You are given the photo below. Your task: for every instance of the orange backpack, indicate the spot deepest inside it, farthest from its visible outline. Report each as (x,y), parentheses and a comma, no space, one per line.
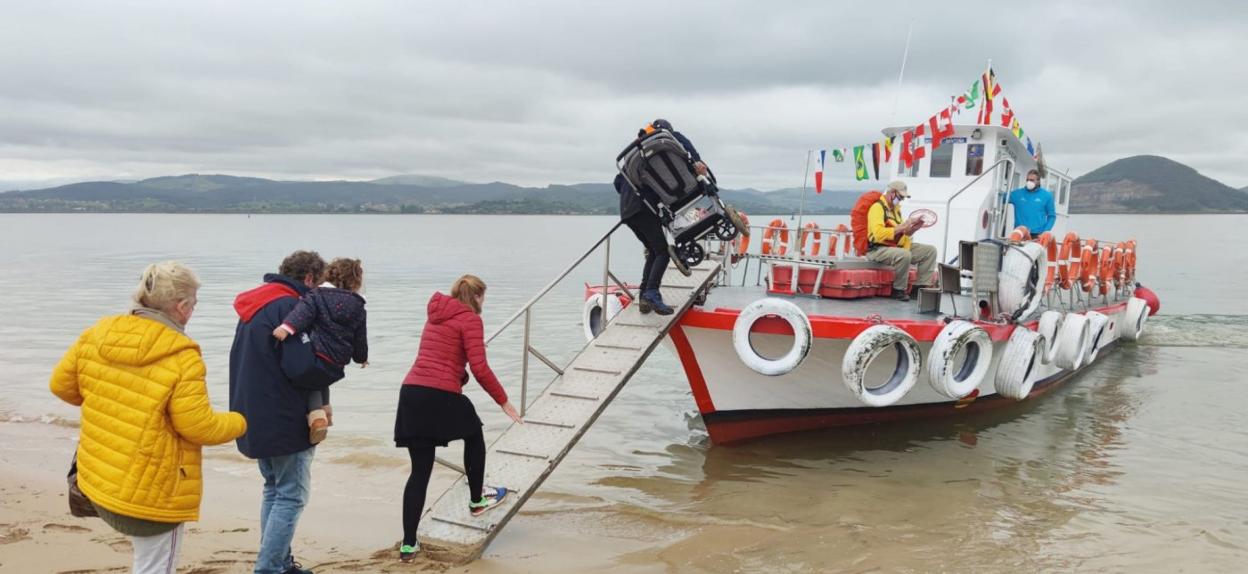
(858,220)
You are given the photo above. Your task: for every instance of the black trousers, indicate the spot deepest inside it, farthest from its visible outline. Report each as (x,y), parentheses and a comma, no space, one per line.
(418,481)
(649,231)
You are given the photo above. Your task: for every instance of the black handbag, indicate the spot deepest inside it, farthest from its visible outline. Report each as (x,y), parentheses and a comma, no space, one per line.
(299,363)
(79,504)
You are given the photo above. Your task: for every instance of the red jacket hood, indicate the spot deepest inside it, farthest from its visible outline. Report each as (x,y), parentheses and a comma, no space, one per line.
(443,308)
(248,303)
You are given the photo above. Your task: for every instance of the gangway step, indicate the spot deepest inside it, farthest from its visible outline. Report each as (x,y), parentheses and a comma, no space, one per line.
(524,455)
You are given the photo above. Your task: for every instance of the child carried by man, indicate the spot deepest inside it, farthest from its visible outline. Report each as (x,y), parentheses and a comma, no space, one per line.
(333,316)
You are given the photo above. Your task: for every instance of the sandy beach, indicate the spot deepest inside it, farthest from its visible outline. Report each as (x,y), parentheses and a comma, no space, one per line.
(336,534)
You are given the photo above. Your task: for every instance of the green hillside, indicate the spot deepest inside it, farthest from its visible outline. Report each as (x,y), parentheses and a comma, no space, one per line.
(1153,184)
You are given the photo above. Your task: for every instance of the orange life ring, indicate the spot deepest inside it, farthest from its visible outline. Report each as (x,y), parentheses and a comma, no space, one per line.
(743,241)
(808,230)
(842,231)
(1050,250)
(1130,261)
(776,230)
(1120,264)
(1087,265)
(1020,233)
(1109,266)
(1068,260)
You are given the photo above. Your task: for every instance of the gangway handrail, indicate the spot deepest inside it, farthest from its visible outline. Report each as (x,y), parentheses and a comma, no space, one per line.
(527,309)
(605,237)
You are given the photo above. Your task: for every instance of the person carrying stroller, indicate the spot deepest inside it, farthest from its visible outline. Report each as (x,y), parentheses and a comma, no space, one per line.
(648,228)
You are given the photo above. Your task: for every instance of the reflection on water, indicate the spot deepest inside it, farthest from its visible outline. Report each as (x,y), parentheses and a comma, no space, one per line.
(1137,464)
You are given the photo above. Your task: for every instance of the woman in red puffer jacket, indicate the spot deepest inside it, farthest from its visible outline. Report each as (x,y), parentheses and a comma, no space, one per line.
(433,409)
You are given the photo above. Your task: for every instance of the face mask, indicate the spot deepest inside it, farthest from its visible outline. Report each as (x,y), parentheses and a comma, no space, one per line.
(1031,185)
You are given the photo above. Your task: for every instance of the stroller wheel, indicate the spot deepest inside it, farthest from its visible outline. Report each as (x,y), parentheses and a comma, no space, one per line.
(725,230)
(691,254)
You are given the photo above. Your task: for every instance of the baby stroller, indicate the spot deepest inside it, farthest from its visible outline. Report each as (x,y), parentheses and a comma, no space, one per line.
(689,206)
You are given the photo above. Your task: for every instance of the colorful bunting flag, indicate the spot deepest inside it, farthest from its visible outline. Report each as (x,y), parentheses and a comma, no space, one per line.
(838,156)
(1007,113)
(888,149)
(860,164)
(991,90)
(819,172)
(875,159)
(942,127)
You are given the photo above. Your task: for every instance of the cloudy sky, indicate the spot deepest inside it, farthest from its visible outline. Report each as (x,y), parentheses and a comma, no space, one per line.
(548,92)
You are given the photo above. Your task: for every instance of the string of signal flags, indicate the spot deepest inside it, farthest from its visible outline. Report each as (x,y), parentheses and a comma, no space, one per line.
(984,94)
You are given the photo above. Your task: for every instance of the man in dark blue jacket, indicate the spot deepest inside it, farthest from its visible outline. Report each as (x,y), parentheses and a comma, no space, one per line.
(649,230)
(276,410)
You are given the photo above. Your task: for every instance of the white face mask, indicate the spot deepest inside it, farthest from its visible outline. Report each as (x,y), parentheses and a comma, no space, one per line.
(1031,185)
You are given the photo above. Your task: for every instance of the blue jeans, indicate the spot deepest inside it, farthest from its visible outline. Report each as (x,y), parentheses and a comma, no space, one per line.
(287,486)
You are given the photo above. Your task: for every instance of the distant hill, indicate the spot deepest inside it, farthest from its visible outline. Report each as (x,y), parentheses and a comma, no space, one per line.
(196,193)
(1153,184)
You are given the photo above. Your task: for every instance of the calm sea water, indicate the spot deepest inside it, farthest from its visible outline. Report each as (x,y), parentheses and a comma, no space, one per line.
(1139,464)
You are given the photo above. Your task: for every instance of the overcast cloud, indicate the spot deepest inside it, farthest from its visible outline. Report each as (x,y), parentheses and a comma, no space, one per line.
(548,92)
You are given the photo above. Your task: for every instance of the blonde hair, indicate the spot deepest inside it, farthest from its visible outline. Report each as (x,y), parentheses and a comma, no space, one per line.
(467,290)
(164,284)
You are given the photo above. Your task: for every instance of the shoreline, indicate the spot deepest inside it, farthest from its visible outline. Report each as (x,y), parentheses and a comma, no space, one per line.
(338,532)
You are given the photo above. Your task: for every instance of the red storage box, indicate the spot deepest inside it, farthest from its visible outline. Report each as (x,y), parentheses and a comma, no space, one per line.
(835,283)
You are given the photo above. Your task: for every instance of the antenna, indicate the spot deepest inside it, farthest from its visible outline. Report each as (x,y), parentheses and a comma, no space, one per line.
(901,75)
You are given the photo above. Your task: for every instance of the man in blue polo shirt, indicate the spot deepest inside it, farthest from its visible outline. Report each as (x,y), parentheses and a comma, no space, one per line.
(1033,206)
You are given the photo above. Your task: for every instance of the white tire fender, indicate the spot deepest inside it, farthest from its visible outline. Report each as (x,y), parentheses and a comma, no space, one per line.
(1050,324)
(960,359)
(865,348)
(796,319)
(1016,373)
(1132,326)
(1098,335)
(1021,279)
(593,318)
(1072,341)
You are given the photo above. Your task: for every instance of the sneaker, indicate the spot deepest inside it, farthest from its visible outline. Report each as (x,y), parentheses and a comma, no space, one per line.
(407,552)
(488,502)
(318,426)
(899,295)
(297,568)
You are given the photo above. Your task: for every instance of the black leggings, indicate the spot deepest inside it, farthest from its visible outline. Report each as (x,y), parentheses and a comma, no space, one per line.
(649,231)
(418,480)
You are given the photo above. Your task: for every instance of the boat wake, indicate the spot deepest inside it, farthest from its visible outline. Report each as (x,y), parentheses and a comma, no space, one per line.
(1224,331)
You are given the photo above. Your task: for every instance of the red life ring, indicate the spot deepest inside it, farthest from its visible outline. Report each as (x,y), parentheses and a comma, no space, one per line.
(776,230)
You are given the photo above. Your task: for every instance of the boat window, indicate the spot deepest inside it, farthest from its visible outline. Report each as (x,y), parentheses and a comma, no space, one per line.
(974,159)
(1065,190)
(914,168)
(942,160)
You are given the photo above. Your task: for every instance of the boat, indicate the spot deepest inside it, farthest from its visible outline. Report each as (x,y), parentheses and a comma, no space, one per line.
(797,333)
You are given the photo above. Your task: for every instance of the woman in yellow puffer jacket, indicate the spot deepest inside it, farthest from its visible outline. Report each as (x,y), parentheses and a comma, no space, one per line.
(145,416)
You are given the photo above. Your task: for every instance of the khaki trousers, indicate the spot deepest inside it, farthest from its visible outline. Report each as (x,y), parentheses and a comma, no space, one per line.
(923,256)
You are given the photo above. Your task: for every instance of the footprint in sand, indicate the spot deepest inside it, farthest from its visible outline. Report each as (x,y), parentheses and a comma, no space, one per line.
(54,527)
(10,533)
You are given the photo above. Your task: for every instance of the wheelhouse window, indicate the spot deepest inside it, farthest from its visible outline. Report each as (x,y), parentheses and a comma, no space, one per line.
(974,159)
(942,160)
(1065,191)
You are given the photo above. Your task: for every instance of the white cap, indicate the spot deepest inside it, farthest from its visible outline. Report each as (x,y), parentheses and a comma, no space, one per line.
(899,187)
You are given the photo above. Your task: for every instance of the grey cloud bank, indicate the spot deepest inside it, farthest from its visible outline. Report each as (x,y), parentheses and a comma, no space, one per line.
(547,92)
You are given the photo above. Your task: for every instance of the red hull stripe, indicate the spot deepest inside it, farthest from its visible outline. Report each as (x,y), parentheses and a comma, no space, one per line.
(833,327)
(697,383)
(734,426)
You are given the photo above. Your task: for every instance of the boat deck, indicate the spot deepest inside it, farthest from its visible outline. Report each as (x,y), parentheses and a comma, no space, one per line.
(736,297)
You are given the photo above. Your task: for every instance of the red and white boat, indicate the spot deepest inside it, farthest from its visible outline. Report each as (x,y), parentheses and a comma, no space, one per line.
(1011,318)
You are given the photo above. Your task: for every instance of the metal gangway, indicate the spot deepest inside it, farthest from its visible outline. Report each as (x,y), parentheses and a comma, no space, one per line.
(524,455)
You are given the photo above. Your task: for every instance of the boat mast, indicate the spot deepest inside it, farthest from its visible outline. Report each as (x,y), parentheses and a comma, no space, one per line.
(801,210)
